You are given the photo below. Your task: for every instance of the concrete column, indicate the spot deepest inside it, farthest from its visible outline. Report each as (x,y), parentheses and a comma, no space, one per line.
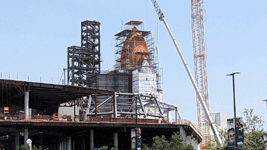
(73,144)
(26,105)
(116,141)
(26,136)
(68,145)
(188,140)
(91,139)
(16,139)
(183,135)
(59,146)
(77,119)
(30,113)
(83,144)
(41,139)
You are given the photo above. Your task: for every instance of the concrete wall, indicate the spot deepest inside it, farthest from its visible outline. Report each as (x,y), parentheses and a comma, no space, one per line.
(68,111)
(220,119)
(189,140)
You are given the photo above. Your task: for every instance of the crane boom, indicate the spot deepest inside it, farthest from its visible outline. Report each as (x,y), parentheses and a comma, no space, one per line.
(162,18)
(158,10)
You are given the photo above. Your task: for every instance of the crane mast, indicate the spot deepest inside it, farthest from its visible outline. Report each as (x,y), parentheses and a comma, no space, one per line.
(200,68)
(199,95)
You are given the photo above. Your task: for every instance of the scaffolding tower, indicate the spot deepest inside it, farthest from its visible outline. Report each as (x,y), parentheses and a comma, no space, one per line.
(132,46)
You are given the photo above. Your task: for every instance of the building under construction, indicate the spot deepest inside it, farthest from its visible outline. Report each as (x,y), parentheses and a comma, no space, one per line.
(93,108)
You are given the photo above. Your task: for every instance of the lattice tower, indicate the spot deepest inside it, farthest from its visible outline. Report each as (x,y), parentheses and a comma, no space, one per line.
(200,68)
(84,62)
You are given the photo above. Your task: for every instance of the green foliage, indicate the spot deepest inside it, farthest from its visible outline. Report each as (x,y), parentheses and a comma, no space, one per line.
(188,147)
(145,147)
(177,142)
(215,145)
(105,147)
(161,143)
(253,133)
(23,147)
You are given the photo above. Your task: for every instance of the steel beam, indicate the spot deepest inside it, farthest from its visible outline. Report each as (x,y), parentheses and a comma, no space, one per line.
(127,94)
(168,116)
(115,105)
(176,115)
(96,105)
(103,102)
(89,104)
(142,106)
(101,113)
(158,106)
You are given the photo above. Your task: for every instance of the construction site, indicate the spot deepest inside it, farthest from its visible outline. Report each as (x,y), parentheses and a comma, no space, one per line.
(92,105)
(92,108)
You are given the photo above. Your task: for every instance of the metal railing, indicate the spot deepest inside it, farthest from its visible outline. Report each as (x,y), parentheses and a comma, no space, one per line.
(28,78)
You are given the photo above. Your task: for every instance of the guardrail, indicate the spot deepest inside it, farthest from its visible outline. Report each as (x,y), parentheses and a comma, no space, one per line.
(28,78)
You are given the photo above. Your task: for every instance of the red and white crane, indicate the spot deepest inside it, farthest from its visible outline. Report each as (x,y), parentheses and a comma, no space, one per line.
(200,68)
(199,94)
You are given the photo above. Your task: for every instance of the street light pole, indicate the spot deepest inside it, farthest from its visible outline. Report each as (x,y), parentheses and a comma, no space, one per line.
(233,76)
(266,103)
(136,122)
(29,142)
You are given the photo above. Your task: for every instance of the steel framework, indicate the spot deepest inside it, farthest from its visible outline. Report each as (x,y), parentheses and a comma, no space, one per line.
(122,105)
(90,38)
(79,65)
(200,67)
(84,61)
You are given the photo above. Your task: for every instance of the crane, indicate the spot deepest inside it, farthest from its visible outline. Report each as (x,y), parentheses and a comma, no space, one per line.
(200,67)
(201,100)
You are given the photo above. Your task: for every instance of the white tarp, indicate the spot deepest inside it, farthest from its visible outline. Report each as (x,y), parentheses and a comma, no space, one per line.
(145,82)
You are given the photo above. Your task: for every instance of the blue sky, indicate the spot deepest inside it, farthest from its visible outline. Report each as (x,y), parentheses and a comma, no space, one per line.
(34,36)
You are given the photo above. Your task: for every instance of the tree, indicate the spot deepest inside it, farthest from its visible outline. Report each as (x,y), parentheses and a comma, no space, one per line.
(177,142)
(215,145)
(253,131)
(161,143)
(253,139)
